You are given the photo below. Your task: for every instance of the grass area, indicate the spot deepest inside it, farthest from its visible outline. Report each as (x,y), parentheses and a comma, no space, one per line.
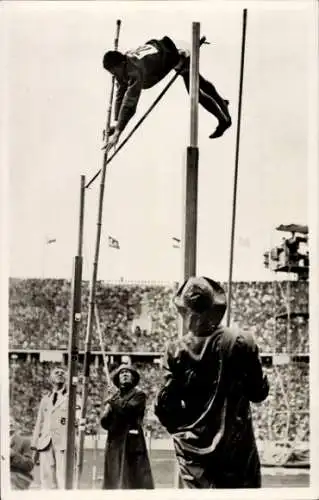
(163,467)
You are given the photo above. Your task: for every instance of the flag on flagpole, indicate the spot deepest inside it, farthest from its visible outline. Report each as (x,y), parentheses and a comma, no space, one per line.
(50,241)
(176,242)
(114,243)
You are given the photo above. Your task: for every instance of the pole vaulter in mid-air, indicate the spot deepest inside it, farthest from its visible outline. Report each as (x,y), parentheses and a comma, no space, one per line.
(143,68)
(133,72)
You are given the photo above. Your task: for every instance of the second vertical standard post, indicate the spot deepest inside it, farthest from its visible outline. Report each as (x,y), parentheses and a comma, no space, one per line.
(73,352)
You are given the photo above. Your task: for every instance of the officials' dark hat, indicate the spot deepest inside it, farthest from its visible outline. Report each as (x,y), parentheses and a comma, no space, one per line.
(116,374)
(202,295)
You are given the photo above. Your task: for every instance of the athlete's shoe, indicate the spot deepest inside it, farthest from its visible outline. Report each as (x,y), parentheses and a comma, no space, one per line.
(221,128)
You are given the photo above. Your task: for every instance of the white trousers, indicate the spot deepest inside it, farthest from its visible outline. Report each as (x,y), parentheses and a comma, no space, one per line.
(52,468)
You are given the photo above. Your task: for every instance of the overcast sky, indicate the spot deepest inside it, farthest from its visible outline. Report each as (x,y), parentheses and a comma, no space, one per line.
(57,95)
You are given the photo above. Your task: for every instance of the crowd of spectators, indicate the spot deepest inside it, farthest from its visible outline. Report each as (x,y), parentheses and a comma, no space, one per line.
(283,416)
(142,318)
(285,413)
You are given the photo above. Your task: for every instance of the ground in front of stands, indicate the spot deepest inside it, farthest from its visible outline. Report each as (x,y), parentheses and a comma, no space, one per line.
(163,467)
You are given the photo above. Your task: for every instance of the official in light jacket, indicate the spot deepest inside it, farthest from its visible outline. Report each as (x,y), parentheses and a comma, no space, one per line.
(49,436)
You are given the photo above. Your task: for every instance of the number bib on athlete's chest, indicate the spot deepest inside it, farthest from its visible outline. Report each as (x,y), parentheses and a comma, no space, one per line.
(143,51)
(153,60)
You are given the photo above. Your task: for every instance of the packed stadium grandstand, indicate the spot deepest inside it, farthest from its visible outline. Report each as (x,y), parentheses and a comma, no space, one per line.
(140,318)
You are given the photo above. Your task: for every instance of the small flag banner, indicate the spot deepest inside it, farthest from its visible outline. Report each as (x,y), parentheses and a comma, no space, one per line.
(113,243)
(50,241)
(176,242)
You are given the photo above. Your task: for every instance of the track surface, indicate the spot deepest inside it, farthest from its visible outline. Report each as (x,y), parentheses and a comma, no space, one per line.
(163,466)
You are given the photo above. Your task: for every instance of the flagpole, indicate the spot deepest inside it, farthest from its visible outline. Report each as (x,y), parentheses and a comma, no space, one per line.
(113,243)
(47,241)
(43,255)
(176,257)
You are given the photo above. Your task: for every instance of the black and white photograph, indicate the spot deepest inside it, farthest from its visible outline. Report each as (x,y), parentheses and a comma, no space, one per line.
(159,247)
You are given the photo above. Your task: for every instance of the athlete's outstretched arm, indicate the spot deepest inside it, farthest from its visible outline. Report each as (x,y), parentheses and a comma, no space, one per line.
(125,106)
(129,102)
(120,93)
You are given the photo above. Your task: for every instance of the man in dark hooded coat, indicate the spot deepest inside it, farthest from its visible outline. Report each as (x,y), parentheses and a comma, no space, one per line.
(127,464)
(211,376)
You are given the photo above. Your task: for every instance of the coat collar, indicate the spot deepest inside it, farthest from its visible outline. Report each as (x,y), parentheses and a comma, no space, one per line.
(61,399)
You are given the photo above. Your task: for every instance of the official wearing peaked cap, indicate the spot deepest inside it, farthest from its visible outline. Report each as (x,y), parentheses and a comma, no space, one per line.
(122,367)
(201,295)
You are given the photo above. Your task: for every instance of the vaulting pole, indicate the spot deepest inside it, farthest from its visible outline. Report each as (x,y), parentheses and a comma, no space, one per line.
(189,239)
(232,241)
(73,354)
(87,353)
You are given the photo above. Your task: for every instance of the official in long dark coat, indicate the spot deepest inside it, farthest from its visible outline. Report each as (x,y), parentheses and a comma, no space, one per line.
(127,464)
(211,376)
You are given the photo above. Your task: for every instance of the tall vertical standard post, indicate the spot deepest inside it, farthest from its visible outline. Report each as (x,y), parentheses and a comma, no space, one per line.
(189,239)
(194,85)
(232,240)
(87,353)
(191,188)
(73,354)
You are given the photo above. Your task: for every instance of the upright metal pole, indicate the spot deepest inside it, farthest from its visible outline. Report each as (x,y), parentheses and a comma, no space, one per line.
(231,259)
(190,208)
(87,353)
(75,322)
(191,182)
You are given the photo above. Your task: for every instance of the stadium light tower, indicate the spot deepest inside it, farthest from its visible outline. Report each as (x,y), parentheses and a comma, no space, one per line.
(292,258)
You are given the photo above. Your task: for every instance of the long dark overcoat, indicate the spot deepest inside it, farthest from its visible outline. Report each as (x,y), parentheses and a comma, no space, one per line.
(127,464)
(205,405)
